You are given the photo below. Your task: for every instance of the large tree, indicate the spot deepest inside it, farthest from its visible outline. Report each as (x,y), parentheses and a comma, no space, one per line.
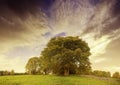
(33,65)
(66,55)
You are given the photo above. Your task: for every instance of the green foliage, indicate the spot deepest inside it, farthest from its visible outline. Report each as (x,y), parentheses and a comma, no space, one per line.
(12,72)
(5,73)
(33,65)
(66,55)
(54,80)
(101,73)
(116,75)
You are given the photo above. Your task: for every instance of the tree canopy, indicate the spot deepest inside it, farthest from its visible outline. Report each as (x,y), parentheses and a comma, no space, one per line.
(33,65)
(116,75)
(66,55)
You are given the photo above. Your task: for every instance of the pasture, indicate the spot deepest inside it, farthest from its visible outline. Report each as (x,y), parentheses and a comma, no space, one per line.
(55,80)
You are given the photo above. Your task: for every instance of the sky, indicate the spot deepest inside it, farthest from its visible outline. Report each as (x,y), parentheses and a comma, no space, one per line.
(27,25)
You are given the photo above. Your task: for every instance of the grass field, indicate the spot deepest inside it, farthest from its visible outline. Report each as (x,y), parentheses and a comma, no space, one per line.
(54,80)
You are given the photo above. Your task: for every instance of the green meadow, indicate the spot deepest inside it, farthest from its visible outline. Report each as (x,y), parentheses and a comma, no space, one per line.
(55,80)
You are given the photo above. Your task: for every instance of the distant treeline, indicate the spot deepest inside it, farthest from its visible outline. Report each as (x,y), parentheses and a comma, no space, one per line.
(7,73)
(116,75)
(2,73)
(97,73)
(101,73)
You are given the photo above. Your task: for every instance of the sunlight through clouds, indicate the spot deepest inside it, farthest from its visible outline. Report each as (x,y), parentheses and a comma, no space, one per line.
(29,29)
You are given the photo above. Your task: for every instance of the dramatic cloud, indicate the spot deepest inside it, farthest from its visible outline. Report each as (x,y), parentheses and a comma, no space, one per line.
(27,25)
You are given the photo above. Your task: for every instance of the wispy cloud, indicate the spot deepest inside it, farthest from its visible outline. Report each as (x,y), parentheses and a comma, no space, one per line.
(100,60)
(25,32)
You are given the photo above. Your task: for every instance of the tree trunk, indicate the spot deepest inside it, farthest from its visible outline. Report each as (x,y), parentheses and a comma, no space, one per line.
(45,72)
(66,72)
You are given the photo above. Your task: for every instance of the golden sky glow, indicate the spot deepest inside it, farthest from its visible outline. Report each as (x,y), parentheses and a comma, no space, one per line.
(24,34)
